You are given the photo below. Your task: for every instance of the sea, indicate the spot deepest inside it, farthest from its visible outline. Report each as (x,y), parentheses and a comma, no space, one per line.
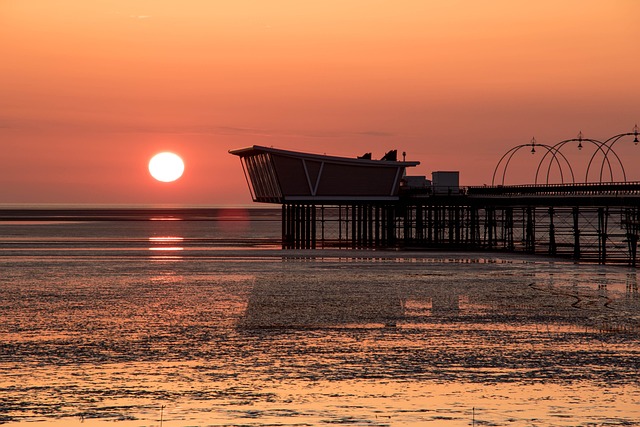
(143,317)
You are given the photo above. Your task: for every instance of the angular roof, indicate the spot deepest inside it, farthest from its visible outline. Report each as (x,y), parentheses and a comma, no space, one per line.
(281,176)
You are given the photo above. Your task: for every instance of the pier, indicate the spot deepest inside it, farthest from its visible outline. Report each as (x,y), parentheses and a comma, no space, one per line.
(359,203)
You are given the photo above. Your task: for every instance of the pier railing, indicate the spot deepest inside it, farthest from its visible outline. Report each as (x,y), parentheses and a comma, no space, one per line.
(583,189)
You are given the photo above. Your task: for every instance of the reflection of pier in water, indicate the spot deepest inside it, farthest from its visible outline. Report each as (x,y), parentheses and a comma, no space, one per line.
(330,306)
(297,302)
(301,304)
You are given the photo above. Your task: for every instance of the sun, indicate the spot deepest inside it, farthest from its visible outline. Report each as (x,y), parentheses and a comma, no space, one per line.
(166,166)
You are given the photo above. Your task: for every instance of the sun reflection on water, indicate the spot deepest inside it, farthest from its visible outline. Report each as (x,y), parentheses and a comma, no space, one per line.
(166,247)
(166,243)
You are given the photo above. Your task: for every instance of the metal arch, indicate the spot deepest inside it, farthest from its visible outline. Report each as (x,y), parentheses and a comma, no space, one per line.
(561,144)
(506,165)
(554,152)
(609,143)
(604,159)
(516,148)
(556,149)
(511,152)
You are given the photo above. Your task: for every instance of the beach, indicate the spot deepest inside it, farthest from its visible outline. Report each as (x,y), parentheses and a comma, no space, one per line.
(209,323)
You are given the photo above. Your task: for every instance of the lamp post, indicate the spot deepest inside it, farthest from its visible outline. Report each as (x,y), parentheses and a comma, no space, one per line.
(580,140)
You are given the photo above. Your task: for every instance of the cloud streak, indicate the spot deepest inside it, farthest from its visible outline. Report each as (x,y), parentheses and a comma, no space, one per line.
(283,133)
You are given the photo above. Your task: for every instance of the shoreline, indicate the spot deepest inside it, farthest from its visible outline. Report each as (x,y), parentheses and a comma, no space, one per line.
(139,214)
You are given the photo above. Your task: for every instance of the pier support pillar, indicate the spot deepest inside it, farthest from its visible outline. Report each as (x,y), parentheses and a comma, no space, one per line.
(632,225)
(390,226)
(376,227)
(508,227)
(419,225)
(552,233)
(603,216)
(474,226)
(313,226)
(286,226)
(429,224)
(354,226)
(530,239)
(576,233)
(407,220)
(490,226)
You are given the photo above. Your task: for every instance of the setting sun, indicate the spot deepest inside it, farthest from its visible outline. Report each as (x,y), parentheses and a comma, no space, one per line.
(166,167)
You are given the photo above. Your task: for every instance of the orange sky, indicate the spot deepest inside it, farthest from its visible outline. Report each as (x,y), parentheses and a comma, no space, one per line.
(90,90)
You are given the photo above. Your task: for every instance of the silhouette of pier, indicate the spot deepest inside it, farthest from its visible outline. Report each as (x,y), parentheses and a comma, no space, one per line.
(362,203)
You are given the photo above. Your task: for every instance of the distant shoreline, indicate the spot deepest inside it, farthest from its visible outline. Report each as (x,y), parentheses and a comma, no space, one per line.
(140,214)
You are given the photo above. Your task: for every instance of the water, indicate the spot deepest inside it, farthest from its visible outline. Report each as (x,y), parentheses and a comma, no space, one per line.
(208,323)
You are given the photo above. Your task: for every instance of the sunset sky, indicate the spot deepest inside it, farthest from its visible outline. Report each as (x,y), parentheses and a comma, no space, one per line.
(90,90)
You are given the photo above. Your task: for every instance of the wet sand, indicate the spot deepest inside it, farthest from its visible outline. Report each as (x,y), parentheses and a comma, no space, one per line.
(267,337)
